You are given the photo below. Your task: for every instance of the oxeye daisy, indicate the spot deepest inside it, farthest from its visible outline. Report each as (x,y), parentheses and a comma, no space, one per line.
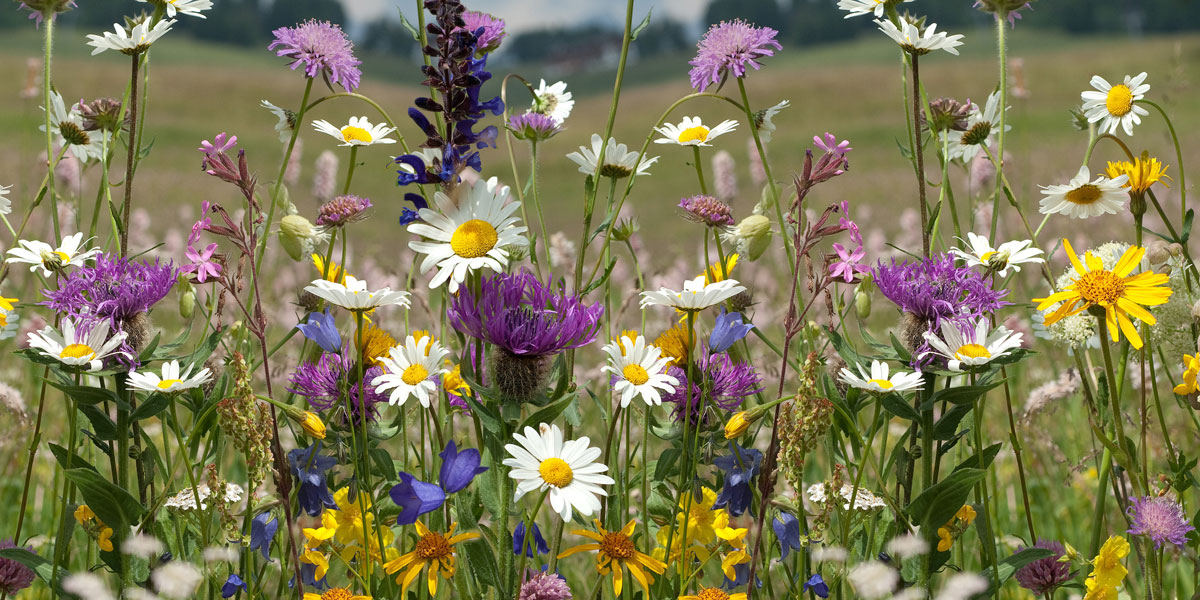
(858,8)
(1115,105)
(411,370)
(358,132)
(354,295)
(619,161)
(80,344)
(1143,172)
(191,8)
(1116,292)
(696,294)
(434,550)
(879,380)
(48,258)
(1080,199)
(692,132)
(615,552)
(133,41)
(1011,254)
(765,120)
(172,379)
(553,101)
(639,369)
(543,461)
(968,344)
(915,41)
(470,236)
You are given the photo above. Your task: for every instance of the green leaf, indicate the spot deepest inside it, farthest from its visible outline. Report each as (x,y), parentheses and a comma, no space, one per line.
(612,262)
(548,413)
(488,417)
(115,506)
(965,394)
(151,407)
(148,351)
(633,36)
(104,426)
(412,30)
(989,454)
(896,405)
(483,564)
(843,349)
(489,490)
(86,394)
(665,464)
(938,503)
(947,426)
(41,566)
(67,460)
(1186,231)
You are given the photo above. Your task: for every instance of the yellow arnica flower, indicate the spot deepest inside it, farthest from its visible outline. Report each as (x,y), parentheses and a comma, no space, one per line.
(315,536)
(348,517)
(730,562)
(336,274)
(1191,368)
(615,552)
(8,303)
(714,594)
(433,550)
(716,273)
(375,344)
(454,383)
(335,594)
(1107,570)
(675,343)
(1143,172)
(1118,293)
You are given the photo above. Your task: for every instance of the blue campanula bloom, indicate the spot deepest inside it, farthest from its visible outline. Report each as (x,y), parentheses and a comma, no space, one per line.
(728,330)
(415,498)
(458,468)
(314,495)
(323,331)
(787,531)
(539,543)
(232,585)
(262,532)
(739,467)
(817,584)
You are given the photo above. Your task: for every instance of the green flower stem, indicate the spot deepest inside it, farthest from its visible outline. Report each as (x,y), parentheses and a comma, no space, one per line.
(1114,397)
(350,169)
(47,90)
(135,69)
(1178,157)
(684,459)
(528,543)
(946,193)
(60,554)
(537,205)
(762,154)
(699,169)
(512,163)
(989,546)
(1002,51)
(918,150)
(275,189)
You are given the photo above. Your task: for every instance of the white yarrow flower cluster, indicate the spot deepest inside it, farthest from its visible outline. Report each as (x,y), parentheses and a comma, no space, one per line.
(864,499)
(185,500)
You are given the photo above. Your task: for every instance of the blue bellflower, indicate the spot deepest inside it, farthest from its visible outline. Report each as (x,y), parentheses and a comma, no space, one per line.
(739,467)
(262,532)
(728,330)
(323,331)
(787,531)
(817,584)
(232,585)
(539,543)
(458,468)
(314,495)
(415,498)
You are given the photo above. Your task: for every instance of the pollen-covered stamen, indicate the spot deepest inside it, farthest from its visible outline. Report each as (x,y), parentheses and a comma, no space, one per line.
(433,545)
(474,239)
(337,594)
(972,351)
(635,374)
(1100,287)
(713,593)
(77,351)
(1084,194)
(356,134)
(617,545)
(414,374)
(691,134)
(556,472)
(1120,100)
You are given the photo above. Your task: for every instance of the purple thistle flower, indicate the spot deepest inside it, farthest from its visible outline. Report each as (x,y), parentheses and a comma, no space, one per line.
(727,48)
(14,576)
(1159,517)
(533,126)
(544,586)
(488,30)
(525,317)
(323,48)
(1044,574)
(727,383)
(707,210)
(343,210)
(321,383)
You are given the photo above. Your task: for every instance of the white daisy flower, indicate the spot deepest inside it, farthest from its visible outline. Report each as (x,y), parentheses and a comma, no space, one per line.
(619,161)
(133,41)
(5,201)
(692,132)
(1114,105)
(191,8)
(1011,254)
(410,370)
(469,236)
(569,470)
(358,132)
(9,323)
(553,101)
(283,126)
(79,344)
(171,380)
(696,294)
(981,123)
(640,370)
(41,255)
(858,8)
(60,115)
(354,295)
(766,120)
(915,41)
(972,346)
(1080,199)
(427,156)
(878,380)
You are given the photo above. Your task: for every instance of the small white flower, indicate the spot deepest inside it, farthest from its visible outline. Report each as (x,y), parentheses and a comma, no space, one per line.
(907,546)
(354,295)
(41,255)
(692,132)
(426,155)
(191,8)
(619,161)
(358,132)
(172,379)
(858,8)
(981,123)
(142,546)
(1080,199)
(915,41)
(829,554)
(1011,254)
(542,461)
(5,201)
(86,585)
(639,369)
(766,120)
(553,101)
(283,125)
(878,379)
(176,579)
(410,370)
(962,586)
(864,499)
(873,579)
(134,41)
(1115,105)
(78,345)
(696,295)
(185,500)
(973,346)
(60,114)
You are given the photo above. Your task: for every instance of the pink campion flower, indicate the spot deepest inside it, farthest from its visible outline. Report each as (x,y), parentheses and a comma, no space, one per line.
(220,144)
(203,224)
(202,265)
(849,265)
(829,143)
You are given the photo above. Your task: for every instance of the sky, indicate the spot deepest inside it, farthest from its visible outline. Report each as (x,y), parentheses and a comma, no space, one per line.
(522,15)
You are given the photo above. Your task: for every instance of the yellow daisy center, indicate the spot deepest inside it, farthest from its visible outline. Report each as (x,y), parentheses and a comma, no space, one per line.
(337,594)
(351,133)
(1120,100)
(77,351)
(166,383)
(973,351)
(712,594)
(1084,194)
(617,545)
(433,546)
(556,472)
(1100,287)
(635,374)
(692,134)
(883,383)
(986,256)
(474,239)
(3,319)
(414,374)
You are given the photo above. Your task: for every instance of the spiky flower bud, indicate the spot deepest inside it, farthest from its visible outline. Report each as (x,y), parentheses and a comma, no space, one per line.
(101,114)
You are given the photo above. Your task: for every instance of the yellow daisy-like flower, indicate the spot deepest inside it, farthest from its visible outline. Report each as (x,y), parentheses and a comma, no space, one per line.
(1118,293)
(675,343)
(1191,368)
(348,518)
(8,303)
(730,562)
(677,556)
(616,552)
(715,273)
(734,536)
(315,536)
(354,552)
(626,333)
(336,273)
(336,593)
(1107,570)
(700,515)
(454,383)
(1143,172)
(318,559)
(713,594)
(434,550)
(375,344)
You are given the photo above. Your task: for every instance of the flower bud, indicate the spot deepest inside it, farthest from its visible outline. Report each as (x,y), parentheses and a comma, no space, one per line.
(737,425)
(187,304)
(862,303)
(752,236)
(298,236)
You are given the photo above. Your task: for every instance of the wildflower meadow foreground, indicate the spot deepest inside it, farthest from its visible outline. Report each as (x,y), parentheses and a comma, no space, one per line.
(506,412)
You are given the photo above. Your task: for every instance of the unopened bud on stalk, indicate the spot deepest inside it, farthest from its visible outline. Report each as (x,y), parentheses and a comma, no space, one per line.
(308,421)
(187,303)
(862,303)
(299,236)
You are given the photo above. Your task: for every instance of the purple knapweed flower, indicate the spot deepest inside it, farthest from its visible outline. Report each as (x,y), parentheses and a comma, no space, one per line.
(533,126)
(324,50)
(114,289)
(342,210)
(415,498)
(14,576)
(39,10)
(1044,574)
(1160,518)
(727,48)
(323,382)
(726,382)
(525,317)
(707,210)
(544,586)
(458,468)
(488,30)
